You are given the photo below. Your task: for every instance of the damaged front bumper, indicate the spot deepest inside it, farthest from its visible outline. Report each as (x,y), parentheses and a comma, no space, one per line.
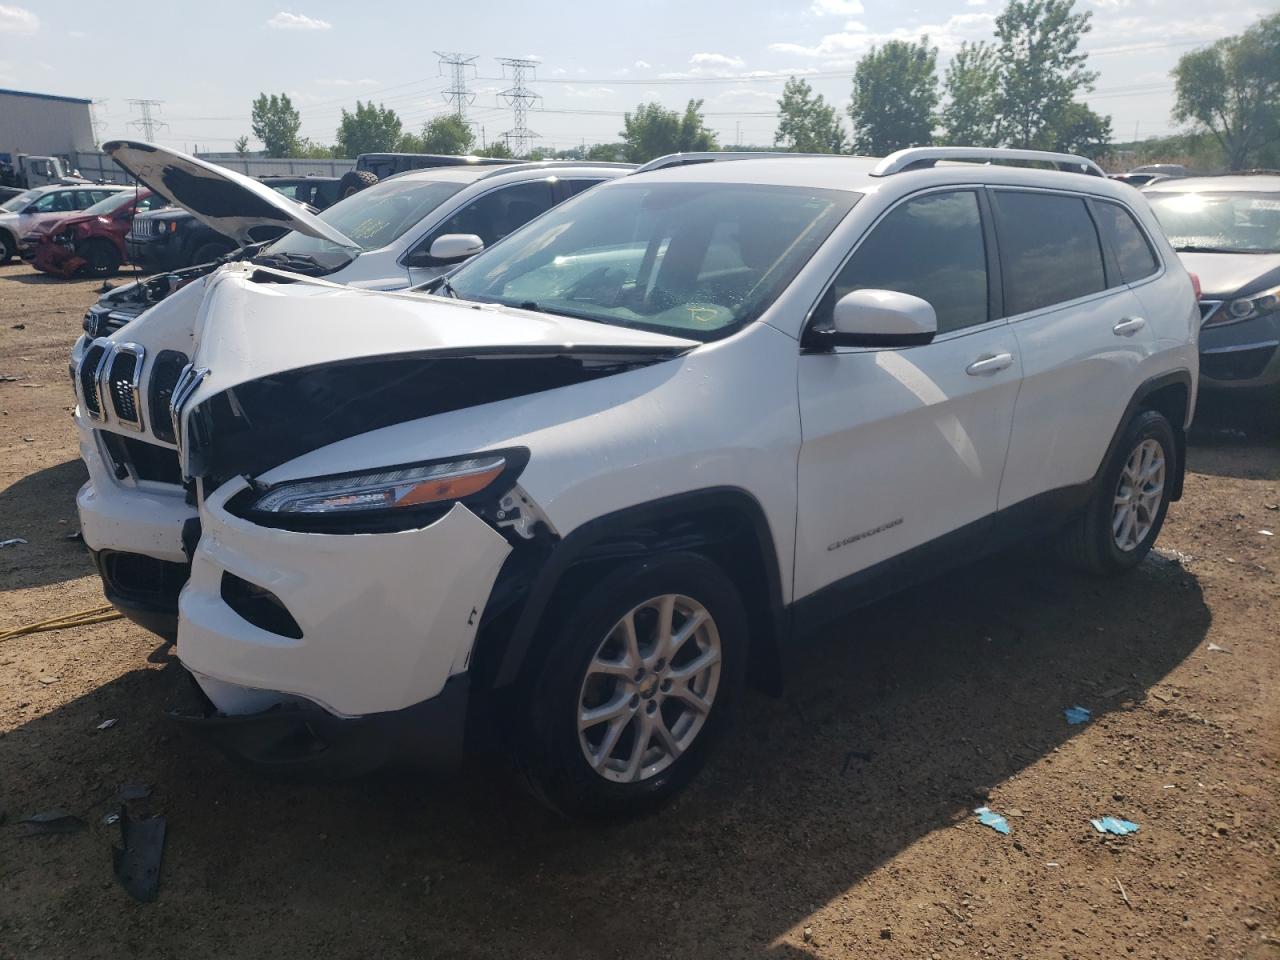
(344,649)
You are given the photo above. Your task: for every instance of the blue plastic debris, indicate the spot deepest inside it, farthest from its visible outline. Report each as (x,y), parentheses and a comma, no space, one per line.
(989,818)
(1076,715)
(1114,825)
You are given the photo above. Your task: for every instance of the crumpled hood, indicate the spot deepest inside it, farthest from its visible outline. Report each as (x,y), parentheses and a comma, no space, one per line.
(1226,275)
(284,364)
(229,202)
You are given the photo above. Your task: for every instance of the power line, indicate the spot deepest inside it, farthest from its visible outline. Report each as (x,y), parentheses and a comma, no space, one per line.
(147,123)
(519,97)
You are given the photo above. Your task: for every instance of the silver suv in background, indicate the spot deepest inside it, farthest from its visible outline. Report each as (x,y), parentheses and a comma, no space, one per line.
(1227,232)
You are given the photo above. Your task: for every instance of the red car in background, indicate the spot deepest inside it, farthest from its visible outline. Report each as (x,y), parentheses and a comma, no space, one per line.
(92,241)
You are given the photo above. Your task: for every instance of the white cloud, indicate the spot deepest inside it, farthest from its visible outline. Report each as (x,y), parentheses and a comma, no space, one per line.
(18,20)
(717,59)
(835,8)
(621,71)
(342,82)
(855,39)
(641,65)
(559,72)
(76,34)
(588,93)
(976,3)
(297,21)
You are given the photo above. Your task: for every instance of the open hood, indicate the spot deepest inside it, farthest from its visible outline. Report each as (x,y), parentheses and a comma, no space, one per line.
(229,202)
(284,365)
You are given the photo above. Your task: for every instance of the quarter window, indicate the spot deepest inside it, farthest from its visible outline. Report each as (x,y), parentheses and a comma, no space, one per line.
(1133,253)
(931,247)
(1048,248)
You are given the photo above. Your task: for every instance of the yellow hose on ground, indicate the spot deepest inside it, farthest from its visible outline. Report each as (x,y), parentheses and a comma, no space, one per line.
(64,622)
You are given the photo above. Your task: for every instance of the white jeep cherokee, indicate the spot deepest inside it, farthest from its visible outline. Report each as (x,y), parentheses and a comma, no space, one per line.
(613,464)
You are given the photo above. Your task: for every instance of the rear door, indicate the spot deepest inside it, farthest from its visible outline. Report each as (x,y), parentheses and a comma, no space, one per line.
(902,447)
(1082,334)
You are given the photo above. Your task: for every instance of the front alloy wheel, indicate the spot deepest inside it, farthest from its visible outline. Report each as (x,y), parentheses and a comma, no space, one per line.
(649,689)
(1138,495)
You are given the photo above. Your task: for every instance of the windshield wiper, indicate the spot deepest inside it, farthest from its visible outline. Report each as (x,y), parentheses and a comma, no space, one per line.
(1192,248)
(447,287)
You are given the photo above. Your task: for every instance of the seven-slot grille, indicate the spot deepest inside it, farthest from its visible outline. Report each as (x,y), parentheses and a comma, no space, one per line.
(142,227)
(88,380)
(123,375)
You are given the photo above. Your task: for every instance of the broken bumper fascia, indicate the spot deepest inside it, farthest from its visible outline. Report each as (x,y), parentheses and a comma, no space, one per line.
(298,740)
(385,620)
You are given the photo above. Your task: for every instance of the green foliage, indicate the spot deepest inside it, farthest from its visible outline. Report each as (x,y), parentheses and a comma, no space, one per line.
(1197,151)
(1077,129)
(610,152)
(276,124)
(448,134)
(372,128)
(653,131)
(895,94)
(310,150)
(806,123)
(1042,71)
(971,117)
(1232,90)
(498,149)
(242,145)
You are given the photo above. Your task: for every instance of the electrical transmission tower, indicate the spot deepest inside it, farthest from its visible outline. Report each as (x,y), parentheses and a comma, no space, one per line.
(147,123)
(456,93)
(96,121)
(520,99)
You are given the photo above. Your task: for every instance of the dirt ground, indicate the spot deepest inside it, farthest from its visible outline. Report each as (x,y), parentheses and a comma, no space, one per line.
(836,823)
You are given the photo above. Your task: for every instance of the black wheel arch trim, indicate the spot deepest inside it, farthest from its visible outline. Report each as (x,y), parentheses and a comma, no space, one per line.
(1180,377)
(577,547)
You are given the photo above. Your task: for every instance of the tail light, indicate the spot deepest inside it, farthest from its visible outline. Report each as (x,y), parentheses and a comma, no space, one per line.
(1195,284)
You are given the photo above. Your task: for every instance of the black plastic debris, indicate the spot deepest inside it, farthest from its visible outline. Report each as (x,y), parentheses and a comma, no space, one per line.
(56,820)
(133,791)
(137,864)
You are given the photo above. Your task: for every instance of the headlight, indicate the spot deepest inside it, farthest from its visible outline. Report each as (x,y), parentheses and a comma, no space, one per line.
(395,489)
(1247,308)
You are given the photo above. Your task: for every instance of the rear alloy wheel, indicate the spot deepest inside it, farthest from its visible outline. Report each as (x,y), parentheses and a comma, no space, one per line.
(1121,522)
(640,679)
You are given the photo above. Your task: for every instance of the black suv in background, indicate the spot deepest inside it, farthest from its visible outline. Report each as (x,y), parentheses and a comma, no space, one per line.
(172,239)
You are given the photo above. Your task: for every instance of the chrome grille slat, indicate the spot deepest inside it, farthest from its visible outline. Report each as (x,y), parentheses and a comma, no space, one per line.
(88,379)
(123,383)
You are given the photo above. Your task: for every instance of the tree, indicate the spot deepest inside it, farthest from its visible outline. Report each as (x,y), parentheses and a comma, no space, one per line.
(1077,129)
(447,133)
(497,149)
(1042,71)
(806,123)
(1232,90)
(242,145)
(608,152)
(653,131)
(310,150)
(895,94)
(972,85)
(372,128)
(276,123)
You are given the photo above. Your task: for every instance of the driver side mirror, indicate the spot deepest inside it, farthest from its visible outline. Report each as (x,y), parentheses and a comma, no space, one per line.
(877,318)
(453,247)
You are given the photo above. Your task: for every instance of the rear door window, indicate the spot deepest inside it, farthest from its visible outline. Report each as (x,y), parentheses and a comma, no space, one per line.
(1128,242)
(1049,249)
(498,213)
(931,247)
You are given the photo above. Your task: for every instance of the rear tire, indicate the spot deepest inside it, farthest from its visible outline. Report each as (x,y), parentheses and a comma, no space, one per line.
(1120,524)
(101,259)
(7,247)
(210,252)
(353,181)
(661,708)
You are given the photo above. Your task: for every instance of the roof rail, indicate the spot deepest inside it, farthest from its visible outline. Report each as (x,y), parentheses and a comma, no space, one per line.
(555,165)
(716,156)
(918,158)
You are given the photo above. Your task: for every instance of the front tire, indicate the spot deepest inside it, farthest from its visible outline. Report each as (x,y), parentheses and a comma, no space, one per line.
(101,259)
(1121,522)
(636,687)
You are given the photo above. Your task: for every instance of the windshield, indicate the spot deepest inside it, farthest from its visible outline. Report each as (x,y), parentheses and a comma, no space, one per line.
(14,204)
(695,260)
(111,203)
(372,218)
(1227,222)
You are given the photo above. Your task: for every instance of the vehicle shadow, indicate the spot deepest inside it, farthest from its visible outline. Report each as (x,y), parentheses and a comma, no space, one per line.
(1236,436)
(890,722)
(32,508)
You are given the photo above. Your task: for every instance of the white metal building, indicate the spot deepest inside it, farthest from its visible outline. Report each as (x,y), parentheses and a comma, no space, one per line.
(44,124)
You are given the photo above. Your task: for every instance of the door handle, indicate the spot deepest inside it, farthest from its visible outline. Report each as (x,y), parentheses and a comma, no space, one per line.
(992,363)
(1128,326)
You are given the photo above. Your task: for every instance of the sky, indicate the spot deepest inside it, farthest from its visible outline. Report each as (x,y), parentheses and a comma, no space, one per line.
(206,62)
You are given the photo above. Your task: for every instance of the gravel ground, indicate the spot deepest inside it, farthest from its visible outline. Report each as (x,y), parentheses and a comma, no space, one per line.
(836,823)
